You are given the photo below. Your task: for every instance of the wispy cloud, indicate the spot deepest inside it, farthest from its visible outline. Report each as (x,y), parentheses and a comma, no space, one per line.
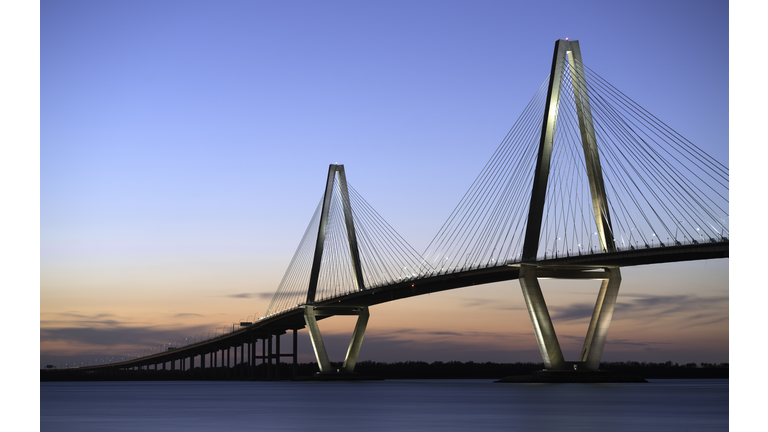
(263,296)
(650,306)
(573,312)
(490,304)
(80,319)
(119,335)
(660,306)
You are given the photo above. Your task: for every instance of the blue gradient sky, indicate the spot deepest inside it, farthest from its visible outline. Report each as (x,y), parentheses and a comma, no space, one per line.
(184,146)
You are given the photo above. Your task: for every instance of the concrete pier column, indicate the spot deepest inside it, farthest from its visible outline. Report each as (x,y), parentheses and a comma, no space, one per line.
(269,358)
(252,358)
(295,358)
(277,356)
(215,365)
(202,365)
(264,359)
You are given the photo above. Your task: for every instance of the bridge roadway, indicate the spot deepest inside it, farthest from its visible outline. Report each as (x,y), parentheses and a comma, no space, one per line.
(280,324)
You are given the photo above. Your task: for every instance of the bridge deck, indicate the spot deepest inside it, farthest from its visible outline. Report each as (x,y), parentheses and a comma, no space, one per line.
(294,319)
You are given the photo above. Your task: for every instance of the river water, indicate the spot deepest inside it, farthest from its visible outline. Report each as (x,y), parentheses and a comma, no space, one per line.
(392,405)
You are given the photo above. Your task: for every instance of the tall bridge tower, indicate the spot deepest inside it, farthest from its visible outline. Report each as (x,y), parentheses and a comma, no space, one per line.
(530,271)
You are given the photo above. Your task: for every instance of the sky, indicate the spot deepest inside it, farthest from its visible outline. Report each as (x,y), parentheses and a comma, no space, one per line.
(184,145)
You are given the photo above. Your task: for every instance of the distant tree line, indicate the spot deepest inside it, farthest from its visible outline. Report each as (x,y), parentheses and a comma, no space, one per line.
(399,370)
(489,370)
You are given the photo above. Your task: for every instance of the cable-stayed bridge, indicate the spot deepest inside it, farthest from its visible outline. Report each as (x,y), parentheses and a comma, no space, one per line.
(585,182)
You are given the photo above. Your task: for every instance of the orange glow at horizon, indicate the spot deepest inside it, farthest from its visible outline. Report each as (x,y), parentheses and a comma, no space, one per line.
(482,319)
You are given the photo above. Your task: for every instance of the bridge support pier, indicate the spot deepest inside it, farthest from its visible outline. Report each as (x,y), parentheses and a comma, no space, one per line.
(310,318)
(594,342)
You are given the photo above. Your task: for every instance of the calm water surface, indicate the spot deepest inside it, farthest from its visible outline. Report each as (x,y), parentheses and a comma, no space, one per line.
(392,405)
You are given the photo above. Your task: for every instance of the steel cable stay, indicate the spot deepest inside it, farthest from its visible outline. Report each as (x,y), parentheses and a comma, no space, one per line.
(630,152)
(370,257)
(610,169)
(510,194)
(437,247)
(286,283)
(574,194)
(565,185)
(583,187)
(400,253)
(562,166)
(625,213)
(518,213)
(661,176)
(517,191)
(469,222)
(679,163)
(676,174)
(548,224)
(569,166)
(592,150)
(326,260)
(607,139)
(485,197)
(480,251)
(617,216)
(477,255)
(687,187)
(685,179)
(403,255)
(661,128)
(381,258)
(338,268)
(566,143)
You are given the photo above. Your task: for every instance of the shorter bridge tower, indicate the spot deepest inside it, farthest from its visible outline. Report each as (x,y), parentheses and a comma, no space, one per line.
(337,181)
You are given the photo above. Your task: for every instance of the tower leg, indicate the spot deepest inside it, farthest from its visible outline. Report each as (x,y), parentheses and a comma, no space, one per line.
(542,323)
(594,343)
(357,341)
(317,340)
